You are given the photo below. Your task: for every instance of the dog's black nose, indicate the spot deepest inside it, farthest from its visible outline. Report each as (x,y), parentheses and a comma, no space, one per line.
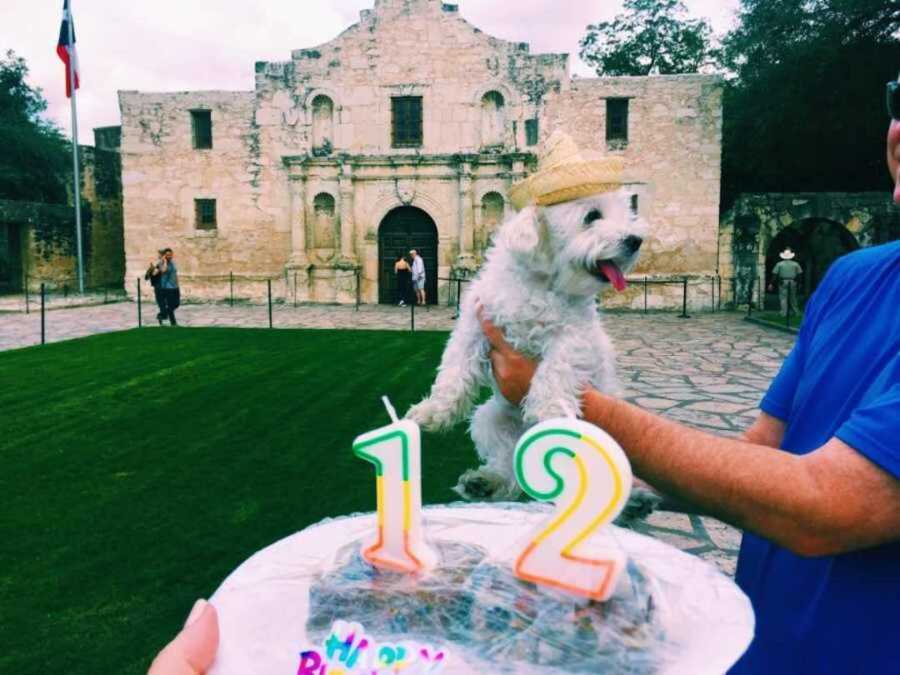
(632,243)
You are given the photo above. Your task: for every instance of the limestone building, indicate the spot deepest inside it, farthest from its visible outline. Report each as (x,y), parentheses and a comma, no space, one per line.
(404,131)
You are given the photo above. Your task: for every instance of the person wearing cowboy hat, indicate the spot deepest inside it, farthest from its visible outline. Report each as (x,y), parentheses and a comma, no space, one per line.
(787,271)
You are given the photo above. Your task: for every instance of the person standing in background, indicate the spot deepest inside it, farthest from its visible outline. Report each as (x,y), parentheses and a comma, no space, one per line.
(418,276)
(154,276)
(787,271)
(169,283)
(404,280)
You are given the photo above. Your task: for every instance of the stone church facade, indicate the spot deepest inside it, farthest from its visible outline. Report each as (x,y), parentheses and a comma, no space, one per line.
(405,131)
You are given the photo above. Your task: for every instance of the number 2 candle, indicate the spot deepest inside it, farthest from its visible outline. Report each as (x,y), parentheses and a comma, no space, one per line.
(395,450)
(585,473)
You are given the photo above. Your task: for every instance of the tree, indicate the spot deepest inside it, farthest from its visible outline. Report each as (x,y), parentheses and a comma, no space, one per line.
(652,37)
(804,107)
(34,161)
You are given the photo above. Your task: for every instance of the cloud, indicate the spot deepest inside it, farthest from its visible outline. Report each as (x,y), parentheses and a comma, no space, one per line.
(175,45)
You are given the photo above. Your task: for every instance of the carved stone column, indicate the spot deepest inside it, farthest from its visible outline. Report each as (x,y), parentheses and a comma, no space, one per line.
(299,258)
(348,224)
(465,262)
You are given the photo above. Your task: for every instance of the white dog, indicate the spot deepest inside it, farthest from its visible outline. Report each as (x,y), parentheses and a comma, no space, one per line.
(539,284)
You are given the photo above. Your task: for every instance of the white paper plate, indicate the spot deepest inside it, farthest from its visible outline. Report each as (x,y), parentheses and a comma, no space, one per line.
(263,605)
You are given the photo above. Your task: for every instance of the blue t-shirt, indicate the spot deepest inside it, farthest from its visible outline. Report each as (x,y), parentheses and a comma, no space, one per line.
(838,614)
(170,276)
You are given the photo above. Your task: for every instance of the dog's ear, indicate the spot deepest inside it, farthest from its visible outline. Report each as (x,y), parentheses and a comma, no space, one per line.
(525,235)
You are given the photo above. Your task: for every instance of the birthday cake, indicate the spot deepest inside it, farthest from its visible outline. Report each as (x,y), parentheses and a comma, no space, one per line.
(672,613)
(514,588)
(502,621)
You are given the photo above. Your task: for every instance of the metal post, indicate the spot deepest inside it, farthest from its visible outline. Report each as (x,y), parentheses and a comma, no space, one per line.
(412,316)
(645,295)
(750,288)
(458,294)
(105,294)
(295,289)
(43,317)
(269,284)
(712,293)
(761,298)
(27,299)
(65,291)
(137,283)
(684,314)
(720,292)
(231,288)
(734,292)
(358,288)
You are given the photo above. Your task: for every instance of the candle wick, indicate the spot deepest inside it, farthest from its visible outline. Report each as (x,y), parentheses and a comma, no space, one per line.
(390,409)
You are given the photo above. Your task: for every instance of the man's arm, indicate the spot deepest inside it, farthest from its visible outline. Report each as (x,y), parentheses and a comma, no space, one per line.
(830,501)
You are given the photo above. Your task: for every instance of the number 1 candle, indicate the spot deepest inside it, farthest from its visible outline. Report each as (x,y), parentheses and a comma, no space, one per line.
(395,450)
(585,473)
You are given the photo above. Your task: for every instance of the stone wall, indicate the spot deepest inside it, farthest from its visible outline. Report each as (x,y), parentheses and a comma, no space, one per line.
(46,232)
(756,220)
(319,127)
(672,163)
(163,175)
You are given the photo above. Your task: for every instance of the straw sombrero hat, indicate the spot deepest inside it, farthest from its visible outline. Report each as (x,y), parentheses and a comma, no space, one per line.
(787,254)
(566,172)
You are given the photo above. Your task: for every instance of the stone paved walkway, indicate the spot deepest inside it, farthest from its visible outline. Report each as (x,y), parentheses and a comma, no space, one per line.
(709,372)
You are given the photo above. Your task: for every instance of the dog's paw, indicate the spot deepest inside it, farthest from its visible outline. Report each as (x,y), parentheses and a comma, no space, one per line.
(430,416)
(641,503)
(484,485)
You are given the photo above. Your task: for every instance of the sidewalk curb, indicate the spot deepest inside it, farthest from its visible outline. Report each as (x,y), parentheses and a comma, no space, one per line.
(771,324)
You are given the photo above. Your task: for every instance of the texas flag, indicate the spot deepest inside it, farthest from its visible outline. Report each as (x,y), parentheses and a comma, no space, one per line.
(66,49)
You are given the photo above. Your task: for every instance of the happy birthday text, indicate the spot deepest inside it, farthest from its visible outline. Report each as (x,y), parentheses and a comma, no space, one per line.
(349,651)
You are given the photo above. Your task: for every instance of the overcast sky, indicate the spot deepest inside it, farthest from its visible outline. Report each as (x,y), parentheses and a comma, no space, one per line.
(176,45)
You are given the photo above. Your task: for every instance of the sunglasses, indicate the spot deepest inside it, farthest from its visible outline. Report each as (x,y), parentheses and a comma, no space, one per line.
(893,99)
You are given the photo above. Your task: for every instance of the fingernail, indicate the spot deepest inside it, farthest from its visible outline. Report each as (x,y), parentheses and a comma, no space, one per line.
(196,611)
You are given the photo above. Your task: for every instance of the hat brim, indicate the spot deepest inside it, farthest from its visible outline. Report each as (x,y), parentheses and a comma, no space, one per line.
(566,182)
(787,256)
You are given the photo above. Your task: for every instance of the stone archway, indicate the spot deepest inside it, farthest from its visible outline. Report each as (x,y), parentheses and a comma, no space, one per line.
(818,242)
(402,229)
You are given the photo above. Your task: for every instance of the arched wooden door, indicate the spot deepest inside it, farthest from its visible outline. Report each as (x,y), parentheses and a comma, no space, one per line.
(403,229)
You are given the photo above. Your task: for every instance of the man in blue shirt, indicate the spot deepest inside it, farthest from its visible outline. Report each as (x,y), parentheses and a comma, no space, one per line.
(815,483)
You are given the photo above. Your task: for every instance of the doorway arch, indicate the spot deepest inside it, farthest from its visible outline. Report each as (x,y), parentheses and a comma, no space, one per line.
(818,242)
(401,230)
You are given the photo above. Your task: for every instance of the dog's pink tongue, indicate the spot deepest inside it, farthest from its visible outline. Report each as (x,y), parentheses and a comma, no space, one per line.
(614,274)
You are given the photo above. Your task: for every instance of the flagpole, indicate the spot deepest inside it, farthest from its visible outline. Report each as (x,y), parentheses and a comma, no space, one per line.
(75,167)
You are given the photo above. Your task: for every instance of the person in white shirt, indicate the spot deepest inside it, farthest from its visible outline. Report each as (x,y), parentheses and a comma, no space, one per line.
(418,276)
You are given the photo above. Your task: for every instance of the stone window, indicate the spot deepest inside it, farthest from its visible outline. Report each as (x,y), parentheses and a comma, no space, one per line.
(531,132)
(205,214)
(323,126)
(492,211)
(492,119)
(407,121)
(617,121)
(324,225)
(201,128)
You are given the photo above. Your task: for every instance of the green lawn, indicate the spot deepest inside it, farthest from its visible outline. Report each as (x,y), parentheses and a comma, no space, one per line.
(138,469)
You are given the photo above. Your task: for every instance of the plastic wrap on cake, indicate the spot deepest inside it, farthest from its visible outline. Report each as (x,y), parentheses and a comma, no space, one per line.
(476,605)
(671,614)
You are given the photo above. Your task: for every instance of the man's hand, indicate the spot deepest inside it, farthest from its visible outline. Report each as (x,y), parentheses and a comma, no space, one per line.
(512,371)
